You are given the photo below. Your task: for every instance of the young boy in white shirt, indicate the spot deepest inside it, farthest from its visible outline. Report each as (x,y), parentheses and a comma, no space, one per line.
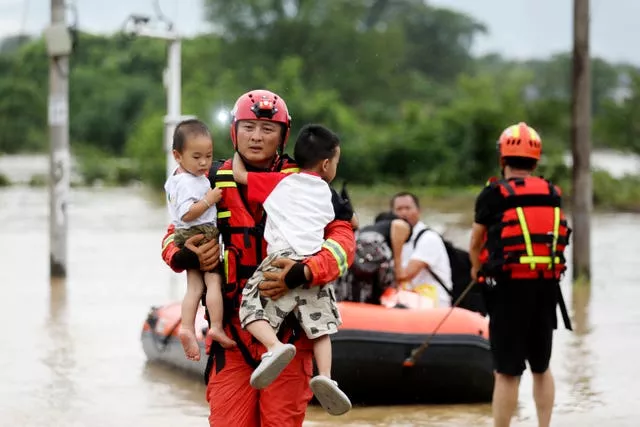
(299,206)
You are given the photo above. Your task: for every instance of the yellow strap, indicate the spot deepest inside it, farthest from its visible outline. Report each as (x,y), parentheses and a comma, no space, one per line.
(226,184)
(338,253)
(538,260)
(226,264)
(224,214)
(556,233)
(530,258)
(167,241)
(230,172)
(527,237)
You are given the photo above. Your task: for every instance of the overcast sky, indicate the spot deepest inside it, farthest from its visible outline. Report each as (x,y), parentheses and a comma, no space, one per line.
(517,28)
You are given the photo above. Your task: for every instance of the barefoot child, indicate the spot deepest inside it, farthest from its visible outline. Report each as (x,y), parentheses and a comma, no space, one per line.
(298,206)
(193,211)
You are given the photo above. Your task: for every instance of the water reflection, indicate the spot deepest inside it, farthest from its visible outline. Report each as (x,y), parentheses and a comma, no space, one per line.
(579,359)
(185,386)
(60,355)
(405,416)
(580,299)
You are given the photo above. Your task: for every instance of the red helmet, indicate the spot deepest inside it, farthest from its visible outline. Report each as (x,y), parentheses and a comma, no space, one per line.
(520,140)
(260,105)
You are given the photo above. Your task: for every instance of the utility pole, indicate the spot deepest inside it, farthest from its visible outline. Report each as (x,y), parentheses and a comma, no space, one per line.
(582,202)
(173,85)
(145,26)
(59,46)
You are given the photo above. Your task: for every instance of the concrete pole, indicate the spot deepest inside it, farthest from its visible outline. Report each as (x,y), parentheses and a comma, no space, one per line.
(173,84)
(59,164)
(582,201)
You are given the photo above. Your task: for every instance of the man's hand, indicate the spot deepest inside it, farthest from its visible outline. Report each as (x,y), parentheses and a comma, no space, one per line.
(399,273)
(273,286)
(208,253)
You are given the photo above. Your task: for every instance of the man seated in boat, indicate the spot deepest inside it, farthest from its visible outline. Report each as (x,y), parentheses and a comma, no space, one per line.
(426,268)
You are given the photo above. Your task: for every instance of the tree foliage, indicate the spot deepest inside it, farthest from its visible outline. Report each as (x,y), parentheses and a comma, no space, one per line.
(395,78)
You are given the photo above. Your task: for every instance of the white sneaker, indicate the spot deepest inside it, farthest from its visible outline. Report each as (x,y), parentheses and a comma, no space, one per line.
(332,399)
(272,364)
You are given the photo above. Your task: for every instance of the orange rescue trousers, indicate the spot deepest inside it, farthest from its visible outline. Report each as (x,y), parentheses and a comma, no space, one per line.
(233,402)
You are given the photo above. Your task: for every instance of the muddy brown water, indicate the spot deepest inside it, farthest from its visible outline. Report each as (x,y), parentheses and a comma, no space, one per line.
(71,353)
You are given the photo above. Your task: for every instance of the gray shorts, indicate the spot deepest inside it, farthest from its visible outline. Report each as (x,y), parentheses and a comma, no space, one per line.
(181,235)
(315,307)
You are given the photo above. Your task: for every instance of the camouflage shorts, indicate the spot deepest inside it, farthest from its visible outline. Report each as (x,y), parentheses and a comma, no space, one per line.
(182,234)
(315,307)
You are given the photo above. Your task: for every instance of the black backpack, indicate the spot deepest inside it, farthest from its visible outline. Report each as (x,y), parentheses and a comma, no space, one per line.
(460,264)
(372,254)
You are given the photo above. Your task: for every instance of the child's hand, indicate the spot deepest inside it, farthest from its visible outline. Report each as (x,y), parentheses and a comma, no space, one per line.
(236,159)
(240,174)
(214,195)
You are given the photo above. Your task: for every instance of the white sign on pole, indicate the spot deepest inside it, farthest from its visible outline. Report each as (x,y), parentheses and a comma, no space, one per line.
(58,111)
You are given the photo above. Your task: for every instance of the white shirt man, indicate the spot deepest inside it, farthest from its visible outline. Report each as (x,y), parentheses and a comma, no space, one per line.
(427,254)
(430,251)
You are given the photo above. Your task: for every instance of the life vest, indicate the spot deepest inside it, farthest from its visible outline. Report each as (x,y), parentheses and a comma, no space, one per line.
(529,240)
(242,233)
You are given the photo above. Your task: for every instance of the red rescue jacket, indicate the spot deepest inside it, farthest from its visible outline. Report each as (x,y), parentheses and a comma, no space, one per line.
(530,239)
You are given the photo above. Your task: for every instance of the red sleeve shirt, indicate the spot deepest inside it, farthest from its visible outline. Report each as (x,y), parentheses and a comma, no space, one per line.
(261,184)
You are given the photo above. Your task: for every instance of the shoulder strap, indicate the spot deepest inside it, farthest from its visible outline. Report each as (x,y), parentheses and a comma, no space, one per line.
(420,233)
(217,164)
(433,273)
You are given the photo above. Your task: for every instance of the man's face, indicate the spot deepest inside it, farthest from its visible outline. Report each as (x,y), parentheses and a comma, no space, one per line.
(406,208)
(258,141)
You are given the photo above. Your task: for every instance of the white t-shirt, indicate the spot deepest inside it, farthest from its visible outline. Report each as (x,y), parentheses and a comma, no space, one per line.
(430,250)
(298,208)
(183,190)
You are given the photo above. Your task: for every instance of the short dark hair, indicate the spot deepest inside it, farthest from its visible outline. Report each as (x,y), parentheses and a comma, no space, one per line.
(522,163)
(404,194)
(385,216)
(314,144)
(188,128)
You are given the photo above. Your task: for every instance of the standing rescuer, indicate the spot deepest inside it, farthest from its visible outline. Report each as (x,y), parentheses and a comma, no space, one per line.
(259,132)
(517,248)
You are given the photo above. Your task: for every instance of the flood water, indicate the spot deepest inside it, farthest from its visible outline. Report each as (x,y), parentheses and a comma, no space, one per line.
(71,353)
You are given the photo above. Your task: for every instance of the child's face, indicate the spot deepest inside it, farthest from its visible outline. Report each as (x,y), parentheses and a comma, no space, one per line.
(330,166)
(197,155)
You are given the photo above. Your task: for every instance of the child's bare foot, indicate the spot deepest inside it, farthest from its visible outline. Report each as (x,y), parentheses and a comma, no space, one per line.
(217,334)
(189,344)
